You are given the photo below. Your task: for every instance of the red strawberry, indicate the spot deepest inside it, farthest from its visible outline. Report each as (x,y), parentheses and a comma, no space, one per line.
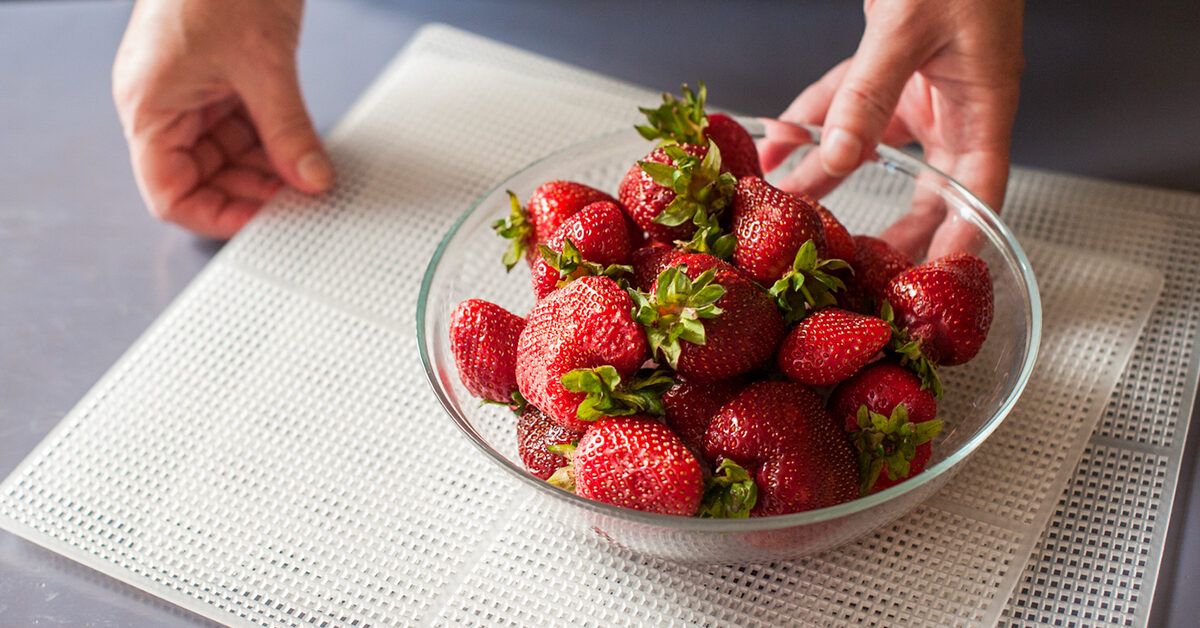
(650,260)
(707,321)
(737,147)
(770,226)
(678,193)
(684,121)
(781,435)
(579,345)
(549,205)
(594,241)
(780,240)
(830,345)
(875,263)
(536,435)
(892,419)
(945,305)
(881,387)
(637,462)
(691,406)
(838,243)
(483,339)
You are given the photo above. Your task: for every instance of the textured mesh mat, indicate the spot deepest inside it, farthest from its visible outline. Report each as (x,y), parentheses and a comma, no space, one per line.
(252,456)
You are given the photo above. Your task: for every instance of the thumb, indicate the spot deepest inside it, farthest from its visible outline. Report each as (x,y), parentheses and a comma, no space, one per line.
(277,110)
(891,51)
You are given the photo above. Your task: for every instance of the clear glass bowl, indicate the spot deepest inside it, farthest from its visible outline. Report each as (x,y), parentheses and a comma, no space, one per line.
(978,395)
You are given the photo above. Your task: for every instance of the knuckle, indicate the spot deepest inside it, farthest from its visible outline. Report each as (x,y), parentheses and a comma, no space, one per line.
(867,100)
(289,127)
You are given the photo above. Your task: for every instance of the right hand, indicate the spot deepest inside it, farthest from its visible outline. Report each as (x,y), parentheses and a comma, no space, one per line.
(209,98)
(945,73)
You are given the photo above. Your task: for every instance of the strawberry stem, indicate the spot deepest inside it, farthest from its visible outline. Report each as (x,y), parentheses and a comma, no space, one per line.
(730,493)
(680,121)
(607,397)
(564,476)
(702,193)
(888,444)
(676,310)
(570,264)
(517,228)
(809,285)
(517,405)
(909,351)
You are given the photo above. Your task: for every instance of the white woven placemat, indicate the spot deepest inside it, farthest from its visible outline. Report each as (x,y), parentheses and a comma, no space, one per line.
(269,453)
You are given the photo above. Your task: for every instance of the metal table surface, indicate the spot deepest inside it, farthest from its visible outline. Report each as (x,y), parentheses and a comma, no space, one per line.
(84,270)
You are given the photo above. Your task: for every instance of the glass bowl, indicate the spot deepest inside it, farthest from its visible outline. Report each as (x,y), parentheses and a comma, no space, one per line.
(891,189)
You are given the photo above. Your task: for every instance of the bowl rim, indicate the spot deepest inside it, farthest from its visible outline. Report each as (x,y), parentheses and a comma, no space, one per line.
(887,157)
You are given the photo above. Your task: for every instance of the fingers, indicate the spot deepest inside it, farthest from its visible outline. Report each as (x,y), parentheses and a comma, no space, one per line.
(277,110)
(893,46)
(809,177)
(246,183)
(932,227)
(985,173)
(808,108)
(222,204)
(211,212)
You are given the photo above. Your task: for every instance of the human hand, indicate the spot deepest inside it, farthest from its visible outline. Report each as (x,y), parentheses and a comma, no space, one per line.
(208,95)
(944,73)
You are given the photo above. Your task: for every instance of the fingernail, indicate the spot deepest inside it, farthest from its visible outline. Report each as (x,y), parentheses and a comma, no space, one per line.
(315,170)
(840,151)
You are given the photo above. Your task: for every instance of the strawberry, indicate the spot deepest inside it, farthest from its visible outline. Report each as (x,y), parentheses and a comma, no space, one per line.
(593,241)
(636,462)
(549,205)
(770,226)
(684,121)
(944,305)
(830,345)
(780,240)
(838,243)
(678,193)
(649,261)
(483,339)
(578,352)
(738,151)
(875,263)
(780,433)
(691,406)
(881,387)
(538,439)
(707,320)
(891,418)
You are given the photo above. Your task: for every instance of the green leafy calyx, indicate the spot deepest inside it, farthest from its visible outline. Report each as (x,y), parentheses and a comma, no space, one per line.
(570,264)
(889,443)
(910,354)
(676,120)
(710,237)
(702,193)
(517,228)
(564,476)
(730,493)
(809,285)
(606,396)
(675,312)
(517,404)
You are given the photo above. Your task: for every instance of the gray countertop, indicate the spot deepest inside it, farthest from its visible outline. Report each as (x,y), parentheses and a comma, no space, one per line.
(84,269)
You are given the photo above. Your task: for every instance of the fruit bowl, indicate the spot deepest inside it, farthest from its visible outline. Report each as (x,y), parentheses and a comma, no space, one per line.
(889,186)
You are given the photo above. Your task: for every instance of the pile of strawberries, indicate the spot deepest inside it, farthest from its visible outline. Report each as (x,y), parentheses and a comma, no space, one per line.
(705,344)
